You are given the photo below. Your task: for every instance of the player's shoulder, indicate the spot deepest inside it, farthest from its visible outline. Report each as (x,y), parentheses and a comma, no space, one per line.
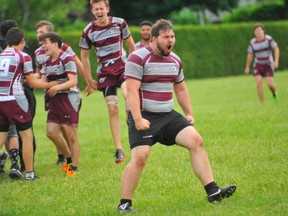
(174,55)
(253,40)
(39,50)
(268,37)
(117,20)
(88,26)
(143,52)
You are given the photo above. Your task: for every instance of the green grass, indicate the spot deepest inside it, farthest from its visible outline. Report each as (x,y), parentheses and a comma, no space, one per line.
(247,144)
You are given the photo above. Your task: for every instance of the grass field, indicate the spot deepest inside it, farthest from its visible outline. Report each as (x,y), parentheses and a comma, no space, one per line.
(247,143)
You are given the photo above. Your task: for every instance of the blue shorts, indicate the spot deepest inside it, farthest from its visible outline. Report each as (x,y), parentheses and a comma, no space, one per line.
(164,128)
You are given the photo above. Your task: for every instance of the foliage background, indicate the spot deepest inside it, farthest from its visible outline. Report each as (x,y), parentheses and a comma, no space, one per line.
(206,51)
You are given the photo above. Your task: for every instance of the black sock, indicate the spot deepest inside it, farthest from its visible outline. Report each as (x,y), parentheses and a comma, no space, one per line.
(61,157)
(123,201)
(69,160)
(14,158)
(75,168)
(211,187)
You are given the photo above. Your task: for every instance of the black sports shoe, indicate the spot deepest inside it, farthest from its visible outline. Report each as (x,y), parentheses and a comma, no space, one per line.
(60,161)
(125,208)
(3,158)
(16,174)
(222,193)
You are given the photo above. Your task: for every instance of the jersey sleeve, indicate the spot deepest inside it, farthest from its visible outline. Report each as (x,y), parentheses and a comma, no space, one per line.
(85,42)
(134,68)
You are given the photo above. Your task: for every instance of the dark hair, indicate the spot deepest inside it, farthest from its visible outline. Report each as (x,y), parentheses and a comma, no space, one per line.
(160,25)
(14,36)
(6,25)
(54,38)
(258,25)
(146,22)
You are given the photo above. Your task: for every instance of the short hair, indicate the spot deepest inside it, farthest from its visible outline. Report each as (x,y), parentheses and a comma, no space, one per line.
(54,38)
(107,3)
(14,36)
(258,25)
(6,25)
(161,24)
(146,22)
(49,25)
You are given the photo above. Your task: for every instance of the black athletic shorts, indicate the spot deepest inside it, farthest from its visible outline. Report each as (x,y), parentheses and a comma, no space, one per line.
(164,128)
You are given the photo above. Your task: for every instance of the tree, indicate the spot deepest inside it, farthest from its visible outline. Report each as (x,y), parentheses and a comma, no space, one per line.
(28,12)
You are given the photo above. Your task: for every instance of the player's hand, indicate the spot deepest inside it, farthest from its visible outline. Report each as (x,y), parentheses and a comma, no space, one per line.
(190,119)
(247,70)
(53,91)
(88,90)
(142,124)
(94,84)
(276,65)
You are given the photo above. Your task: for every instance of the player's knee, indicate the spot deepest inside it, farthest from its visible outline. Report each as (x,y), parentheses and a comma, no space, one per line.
(113,109)
(141,161)
(197,142)
(51,134)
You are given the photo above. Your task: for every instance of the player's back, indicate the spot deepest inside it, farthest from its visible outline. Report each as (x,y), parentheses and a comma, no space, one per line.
(13,65)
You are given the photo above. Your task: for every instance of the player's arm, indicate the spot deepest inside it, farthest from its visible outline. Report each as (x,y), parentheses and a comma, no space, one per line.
(88,90)
(133,99)
(130,44)
(72,81)
(183,98)
(249,60)
(33,82)
(276,57)
(87,69)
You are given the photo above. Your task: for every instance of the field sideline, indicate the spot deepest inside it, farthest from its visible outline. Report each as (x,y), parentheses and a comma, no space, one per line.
(247,144)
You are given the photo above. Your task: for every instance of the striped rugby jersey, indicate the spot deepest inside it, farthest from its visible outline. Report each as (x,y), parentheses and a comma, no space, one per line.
(157,75)
(262,50)
(108,40)
(14,64)
(58,69)
(40,54)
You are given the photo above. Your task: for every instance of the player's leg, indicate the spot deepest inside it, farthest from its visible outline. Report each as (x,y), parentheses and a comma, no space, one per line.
(191,139)
(54,133)
(3,136)
(111,100)
(131,176)
(26,134)
(13,145)
(73,142)
(271,85)
(259,79)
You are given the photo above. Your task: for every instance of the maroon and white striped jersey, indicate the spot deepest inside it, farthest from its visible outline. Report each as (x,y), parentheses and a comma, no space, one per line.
(40,55)
(262,50)
(58,69)
(139,45)
(108,40)
(157,75)
(14,64)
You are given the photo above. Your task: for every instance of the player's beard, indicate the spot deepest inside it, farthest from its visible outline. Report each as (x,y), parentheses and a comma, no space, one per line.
(162,51)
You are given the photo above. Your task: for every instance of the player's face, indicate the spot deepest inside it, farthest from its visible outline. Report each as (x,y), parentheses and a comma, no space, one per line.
(165,42)
(49,47)
(145,32)
(259,33)
(41,30)
(100,11)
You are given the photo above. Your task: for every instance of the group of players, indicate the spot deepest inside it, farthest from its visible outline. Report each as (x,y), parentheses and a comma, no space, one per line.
(147,80)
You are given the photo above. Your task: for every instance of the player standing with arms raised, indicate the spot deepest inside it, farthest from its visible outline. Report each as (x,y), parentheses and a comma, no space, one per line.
(106,34)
